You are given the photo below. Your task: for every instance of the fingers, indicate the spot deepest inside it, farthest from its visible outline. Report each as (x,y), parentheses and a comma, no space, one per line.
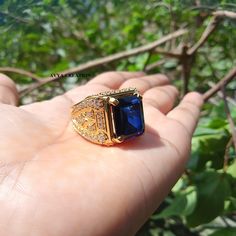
(101,83)
(162,98)
(8,91)
(188,111)
(81,92)
(113,79)
(142,84)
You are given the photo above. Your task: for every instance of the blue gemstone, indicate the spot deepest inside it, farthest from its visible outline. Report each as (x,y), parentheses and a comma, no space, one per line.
(128,116)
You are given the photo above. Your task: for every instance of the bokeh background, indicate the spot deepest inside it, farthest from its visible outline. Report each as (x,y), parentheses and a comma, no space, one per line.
(45,37)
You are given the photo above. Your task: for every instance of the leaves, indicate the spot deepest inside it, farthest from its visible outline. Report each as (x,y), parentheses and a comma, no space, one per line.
(212,190)
(224,232)
(209,149)
(208,144)
(232,169)
(182,204)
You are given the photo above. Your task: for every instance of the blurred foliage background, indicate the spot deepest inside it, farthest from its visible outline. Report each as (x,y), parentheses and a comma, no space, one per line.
(49,36)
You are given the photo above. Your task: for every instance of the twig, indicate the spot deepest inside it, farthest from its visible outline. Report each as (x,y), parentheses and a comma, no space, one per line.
(186,61)
(187,56)
(225,221)
(202,7)
(220,94)
(147,60)
(17,18)
(154,65)
(207,32)
(211,84)
(105,60)
(226,156)
(229,77)
(229,117)
(79,35)
(217,16)
(21,72)
(210,65)
(173,54)
(222,14)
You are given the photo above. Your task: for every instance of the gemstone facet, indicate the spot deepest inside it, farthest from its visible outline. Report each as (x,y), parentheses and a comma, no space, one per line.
(128,116)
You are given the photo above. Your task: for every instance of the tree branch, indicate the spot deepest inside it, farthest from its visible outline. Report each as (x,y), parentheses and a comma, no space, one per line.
(226,155)
(217,16)
(147,60)
(21,72)
(229,77)
(186,61)
(17,18)
(154,65)
(207,32)
(220,94)
(105,60)
(223,14)
(229,117)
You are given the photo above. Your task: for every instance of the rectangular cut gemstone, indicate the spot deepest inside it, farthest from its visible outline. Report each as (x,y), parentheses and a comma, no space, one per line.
(128,116)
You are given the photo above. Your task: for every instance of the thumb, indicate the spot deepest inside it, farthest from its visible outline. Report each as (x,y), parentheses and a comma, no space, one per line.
(8,91)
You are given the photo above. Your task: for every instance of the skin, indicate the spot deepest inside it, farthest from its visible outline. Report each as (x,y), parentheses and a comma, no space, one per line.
(53,182)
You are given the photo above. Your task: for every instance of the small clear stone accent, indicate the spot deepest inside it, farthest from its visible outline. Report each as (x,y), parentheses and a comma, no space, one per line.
(89,114)
(90,102)
(102,137)
(100,120)
(79,119)
(118,91)
(92,127)
(98,103)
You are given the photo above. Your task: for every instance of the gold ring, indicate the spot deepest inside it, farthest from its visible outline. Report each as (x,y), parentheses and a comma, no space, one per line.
(110,117)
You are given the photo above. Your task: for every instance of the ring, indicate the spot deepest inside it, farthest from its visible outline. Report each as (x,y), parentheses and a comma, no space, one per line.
(110,117)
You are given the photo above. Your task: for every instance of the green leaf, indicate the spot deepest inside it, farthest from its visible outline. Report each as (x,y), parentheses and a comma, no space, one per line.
(174,209)
(230,205)
(201,130)
(217,123)
(208,148)
(232,169)
(182,205)
(212,190)
(224,232)
(191,197)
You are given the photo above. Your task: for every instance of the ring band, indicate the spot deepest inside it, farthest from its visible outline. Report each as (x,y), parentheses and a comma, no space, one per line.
(110,117)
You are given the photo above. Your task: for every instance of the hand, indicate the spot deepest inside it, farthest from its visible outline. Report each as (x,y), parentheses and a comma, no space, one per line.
(53,182)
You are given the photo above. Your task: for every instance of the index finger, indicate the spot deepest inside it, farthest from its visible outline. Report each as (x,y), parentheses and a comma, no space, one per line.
(8,91)
(188,111)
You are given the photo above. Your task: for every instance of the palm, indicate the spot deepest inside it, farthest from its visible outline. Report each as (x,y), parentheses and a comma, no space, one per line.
(61,184)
